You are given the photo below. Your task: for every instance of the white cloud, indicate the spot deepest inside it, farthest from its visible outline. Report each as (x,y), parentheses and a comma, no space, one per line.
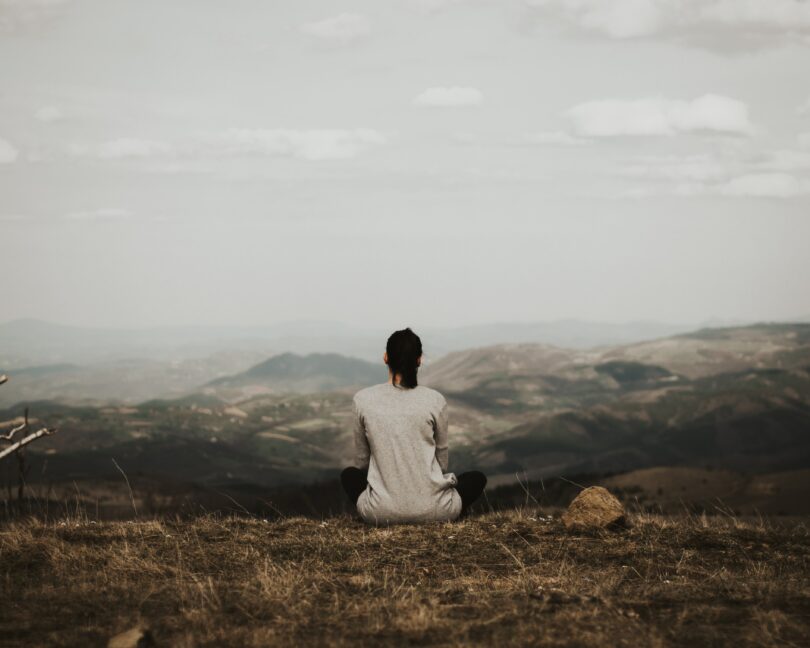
(49,114)
(342,29)
(804,109)
(12,217)
(316,144)
(691,168)
(125,147)
(779,174)
(103,213)
(325,144)
(784,160)
(624,19)
(8,153)
(17,14)
(660,116)
(432,6)
(555,138)
(131,147)
(616,18)
(804,140)
(765,185)
(449,97)
(787,15)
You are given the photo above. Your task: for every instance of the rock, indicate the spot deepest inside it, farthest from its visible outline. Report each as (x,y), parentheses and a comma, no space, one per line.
(555,598)
(138,637)
(594,508)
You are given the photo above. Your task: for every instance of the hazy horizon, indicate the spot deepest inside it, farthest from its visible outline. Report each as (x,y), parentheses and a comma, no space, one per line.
(434,163)
(347,325)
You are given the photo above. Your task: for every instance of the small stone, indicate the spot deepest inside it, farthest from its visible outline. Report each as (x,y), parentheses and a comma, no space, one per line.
(554,598)
(138,637)
(594,508)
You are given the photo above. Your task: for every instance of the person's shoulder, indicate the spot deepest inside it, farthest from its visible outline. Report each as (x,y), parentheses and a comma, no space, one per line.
(434,394)
(367,392)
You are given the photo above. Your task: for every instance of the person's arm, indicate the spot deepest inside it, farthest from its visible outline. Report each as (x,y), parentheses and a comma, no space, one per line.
(362,451)
(440,435)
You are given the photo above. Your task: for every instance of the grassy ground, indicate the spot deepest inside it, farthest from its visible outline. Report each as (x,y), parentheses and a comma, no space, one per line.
(504,578)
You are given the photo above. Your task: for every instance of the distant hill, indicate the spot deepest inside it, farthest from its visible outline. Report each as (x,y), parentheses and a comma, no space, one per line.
(697,354)
(32,342)
(127,381)
(293,373)
(712,351)
(736,399)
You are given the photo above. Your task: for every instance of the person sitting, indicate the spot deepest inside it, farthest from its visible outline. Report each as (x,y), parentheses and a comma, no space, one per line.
(401,448)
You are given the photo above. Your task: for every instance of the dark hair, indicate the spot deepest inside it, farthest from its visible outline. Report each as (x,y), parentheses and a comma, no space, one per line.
(404,348)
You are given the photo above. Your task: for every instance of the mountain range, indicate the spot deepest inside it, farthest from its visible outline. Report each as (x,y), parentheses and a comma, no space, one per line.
(97,365)
(734,398)
(30,342)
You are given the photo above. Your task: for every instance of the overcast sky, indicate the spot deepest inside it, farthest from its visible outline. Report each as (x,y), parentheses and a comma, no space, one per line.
(404,163)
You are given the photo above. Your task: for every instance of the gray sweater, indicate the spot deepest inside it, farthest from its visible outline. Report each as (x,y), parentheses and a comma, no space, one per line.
(401,435)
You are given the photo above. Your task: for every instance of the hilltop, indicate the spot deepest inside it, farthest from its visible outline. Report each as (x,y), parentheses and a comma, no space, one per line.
(290,372)
(501,579)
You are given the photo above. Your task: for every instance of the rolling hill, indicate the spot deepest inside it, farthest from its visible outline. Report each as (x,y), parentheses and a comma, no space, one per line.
(733,399)
(126,380)
(290,372)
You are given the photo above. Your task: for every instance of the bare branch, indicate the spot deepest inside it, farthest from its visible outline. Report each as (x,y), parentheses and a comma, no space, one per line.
(22,426)
(10,435)
(23,442)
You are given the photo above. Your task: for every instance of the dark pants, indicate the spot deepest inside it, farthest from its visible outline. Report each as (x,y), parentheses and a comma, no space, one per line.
(470,485)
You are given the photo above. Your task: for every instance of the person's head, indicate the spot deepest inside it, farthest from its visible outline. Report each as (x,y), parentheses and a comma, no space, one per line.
(403,355)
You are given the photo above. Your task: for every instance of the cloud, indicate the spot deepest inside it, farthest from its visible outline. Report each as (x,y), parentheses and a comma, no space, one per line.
(703,20)
(8,153)
(784,160)
(803,109)
(101,214)
(449,97)
(316,144)
(125,147)
(765,185)
(778,174)
(616,18)
(778,15)
(660,116)
(691,168)
(555,138)
(804,140)
(19,14)
(12,217)
(49,114)
(326,144)
(343,29)
(433,6)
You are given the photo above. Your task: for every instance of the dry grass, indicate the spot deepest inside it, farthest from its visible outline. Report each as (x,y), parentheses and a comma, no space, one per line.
(502,579)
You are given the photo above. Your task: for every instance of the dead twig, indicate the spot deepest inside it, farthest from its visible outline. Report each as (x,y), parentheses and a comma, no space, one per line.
(126,479)
(25,441)
(22,426)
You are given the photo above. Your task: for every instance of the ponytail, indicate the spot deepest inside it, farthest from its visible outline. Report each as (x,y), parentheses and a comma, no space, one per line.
(404,349)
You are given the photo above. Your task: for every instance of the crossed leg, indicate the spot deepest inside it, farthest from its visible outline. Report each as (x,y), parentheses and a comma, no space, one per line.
(470,486)
(354,482)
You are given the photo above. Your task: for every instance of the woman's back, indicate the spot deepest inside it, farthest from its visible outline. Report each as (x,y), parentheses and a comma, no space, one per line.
(401,434)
